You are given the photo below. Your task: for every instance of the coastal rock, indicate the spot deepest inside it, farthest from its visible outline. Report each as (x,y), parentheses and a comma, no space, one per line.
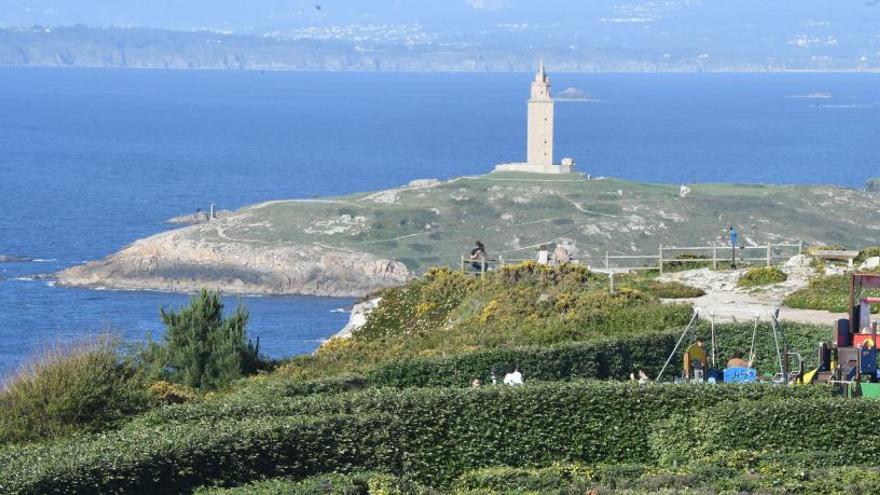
(180,262)
(358,318)
(14,259)
(873,185)
(871,263)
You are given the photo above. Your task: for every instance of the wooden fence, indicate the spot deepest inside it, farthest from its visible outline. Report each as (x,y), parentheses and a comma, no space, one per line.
(713,256)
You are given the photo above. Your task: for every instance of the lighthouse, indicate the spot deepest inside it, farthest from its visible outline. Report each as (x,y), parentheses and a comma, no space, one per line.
(539,132)
(539,152)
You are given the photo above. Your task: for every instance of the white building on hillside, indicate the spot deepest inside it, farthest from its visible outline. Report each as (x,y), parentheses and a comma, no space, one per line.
(539,152)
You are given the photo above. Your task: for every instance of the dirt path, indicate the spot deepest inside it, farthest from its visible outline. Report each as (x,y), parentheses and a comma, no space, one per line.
(729,303)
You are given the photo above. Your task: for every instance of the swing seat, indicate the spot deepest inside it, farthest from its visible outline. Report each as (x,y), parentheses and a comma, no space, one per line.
(740,375)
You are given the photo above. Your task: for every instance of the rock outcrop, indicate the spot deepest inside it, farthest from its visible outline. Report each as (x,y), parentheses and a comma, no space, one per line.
(175,261)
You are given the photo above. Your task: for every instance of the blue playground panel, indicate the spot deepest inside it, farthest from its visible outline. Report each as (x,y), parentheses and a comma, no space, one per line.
(740,375)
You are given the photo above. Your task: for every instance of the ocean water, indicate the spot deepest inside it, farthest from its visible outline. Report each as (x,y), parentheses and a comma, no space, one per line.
(91,160)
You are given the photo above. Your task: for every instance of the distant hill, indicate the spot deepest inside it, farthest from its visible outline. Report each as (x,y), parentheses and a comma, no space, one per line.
(634,36)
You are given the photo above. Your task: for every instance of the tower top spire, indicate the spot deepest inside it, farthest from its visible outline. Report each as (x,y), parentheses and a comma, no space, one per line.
(541,75)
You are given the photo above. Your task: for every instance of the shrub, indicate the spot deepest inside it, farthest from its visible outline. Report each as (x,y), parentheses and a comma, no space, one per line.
(687,261)
(610,358)
(827,293)
(605,359)
(164,393)
(433,435)
(202,348)
(864,254)
(675,290)
(362,483)
(447,313)
(779,425)
(85,387)
(758,276)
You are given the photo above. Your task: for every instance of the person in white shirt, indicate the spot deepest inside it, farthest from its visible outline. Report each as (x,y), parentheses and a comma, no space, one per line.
(513,378)
(543,255)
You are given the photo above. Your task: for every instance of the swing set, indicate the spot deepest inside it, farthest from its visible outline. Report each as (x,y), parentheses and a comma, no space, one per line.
(700,366)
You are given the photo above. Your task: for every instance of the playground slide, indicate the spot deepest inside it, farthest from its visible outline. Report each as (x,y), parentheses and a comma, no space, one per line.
(808,376)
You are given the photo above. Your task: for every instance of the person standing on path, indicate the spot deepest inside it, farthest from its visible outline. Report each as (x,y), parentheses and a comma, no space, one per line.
(733,239)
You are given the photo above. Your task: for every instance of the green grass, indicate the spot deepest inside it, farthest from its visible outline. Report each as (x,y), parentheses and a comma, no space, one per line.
(827,293)
(512,213)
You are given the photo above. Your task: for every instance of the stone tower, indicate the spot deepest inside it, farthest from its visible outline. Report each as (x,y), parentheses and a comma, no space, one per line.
(540,132)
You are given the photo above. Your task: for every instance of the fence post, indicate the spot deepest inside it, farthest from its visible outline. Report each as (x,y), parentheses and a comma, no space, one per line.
(769,254)
(801,246)
(462,263)
(714,257)
(606,259)
(483,267)
(501,261)
(611,281)
(660,260)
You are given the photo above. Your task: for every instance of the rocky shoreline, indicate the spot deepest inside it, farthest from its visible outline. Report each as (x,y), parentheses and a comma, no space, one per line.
(174,261)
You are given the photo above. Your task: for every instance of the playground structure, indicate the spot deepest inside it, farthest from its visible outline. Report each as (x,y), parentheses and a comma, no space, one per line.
(848,361)
(700,365)
(851,360)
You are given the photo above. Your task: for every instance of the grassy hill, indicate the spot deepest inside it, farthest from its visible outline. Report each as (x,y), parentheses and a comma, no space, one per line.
(514,213)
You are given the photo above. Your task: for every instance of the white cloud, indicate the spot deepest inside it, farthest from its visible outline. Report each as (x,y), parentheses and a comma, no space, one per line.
(485,4)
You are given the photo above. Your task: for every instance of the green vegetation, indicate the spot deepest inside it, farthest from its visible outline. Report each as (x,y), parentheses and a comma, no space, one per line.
(509,210)
(361,483)
(433,435)
(760,276)
(88,387)
(864,254)
(391,410)
(448,313)
(828,293)
(202,348)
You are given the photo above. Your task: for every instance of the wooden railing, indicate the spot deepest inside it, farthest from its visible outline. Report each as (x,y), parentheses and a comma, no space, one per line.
(709,255)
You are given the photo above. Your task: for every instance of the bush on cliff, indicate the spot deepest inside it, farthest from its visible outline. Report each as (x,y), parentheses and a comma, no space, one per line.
(203,349)
(448,313)
(85,387)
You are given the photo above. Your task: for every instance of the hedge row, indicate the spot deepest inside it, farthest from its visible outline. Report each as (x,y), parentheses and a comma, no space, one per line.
(614,359)
(764,474)
(601,360)
(433,435)
(773,477)
(360,483)
(843,428)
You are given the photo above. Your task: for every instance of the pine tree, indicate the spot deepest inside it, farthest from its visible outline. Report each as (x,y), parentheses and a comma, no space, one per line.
(202,349)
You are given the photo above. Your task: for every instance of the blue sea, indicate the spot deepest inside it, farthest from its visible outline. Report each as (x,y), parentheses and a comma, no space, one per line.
(93,159)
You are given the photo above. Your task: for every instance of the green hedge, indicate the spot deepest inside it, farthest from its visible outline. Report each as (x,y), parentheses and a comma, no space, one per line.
(610,359)
(771,475)
(844,429)
(614,359)
(361,483)
(433,435)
